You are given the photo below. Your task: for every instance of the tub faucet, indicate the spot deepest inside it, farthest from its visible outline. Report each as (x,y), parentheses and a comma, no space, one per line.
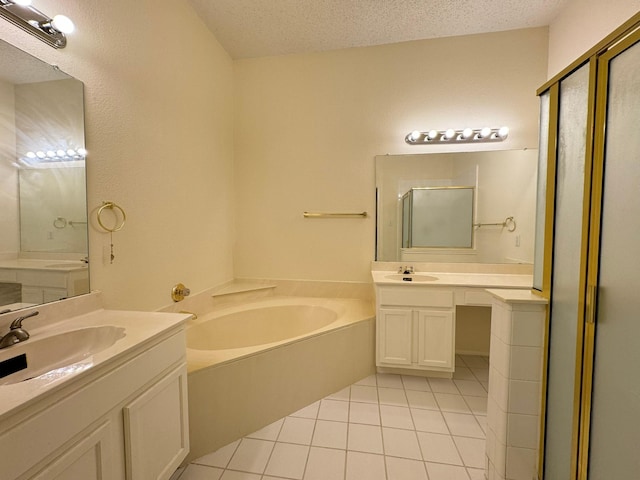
(16,333)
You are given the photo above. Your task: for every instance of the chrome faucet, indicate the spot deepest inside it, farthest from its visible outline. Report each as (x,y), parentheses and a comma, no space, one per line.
(408,270)
(16,333)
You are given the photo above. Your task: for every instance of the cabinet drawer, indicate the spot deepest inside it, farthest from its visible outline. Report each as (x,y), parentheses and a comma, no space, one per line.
(477,297)
(7,275)
(418,297)
(43,279)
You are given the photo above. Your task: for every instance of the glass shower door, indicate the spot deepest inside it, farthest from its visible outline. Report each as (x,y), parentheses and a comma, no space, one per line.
(614,436)
(563,381)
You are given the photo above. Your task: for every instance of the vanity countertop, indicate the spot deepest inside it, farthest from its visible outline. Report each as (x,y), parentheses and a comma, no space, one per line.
(479,280)
(139,329)
(47,265)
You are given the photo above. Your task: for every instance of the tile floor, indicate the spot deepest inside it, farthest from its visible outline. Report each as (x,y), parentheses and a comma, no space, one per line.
(384,427)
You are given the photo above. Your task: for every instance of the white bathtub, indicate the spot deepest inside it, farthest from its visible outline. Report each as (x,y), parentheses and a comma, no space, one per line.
(253,363)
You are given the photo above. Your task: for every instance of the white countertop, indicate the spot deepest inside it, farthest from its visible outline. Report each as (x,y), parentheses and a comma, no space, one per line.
(47,265)
(139,328)
(480,280)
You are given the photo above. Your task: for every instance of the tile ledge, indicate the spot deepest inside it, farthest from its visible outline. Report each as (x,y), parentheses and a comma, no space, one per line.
(240,287)
(517,296)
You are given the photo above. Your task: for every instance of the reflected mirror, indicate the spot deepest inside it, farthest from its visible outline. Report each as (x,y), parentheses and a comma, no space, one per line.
(43,208)
(464,206)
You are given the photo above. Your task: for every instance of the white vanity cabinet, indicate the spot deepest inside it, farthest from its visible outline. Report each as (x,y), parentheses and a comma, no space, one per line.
(415,328)
(42,285)
(125,420)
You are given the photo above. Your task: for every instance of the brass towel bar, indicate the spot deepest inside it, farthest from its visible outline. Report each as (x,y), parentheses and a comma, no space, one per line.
(509,222)
(333,215)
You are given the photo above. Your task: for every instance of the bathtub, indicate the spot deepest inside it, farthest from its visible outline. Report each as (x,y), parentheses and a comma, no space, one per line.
(254,363)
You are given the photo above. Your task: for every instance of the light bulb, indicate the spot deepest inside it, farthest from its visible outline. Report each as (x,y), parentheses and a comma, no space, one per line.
(449,134)
(432,134)
(71,152)
(61,153)
(51,153)
(415,135)
(22,3)
(82,151)
(63,24)
(485,132)
(503,132)
(30,155)
(467,133)
(40,154)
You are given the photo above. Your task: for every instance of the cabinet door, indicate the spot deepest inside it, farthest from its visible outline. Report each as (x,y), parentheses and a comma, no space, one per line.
(436,339)
(89,459)
(157,429)
(394,336)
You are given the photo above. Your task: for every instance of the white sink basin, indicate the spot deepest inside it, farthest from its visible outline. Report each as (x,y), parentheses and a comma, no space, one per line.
(414,277)
(59,354)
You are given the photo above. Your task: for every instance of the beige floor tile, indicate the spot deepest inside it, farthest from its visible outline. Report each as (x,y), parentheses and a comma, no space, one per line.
(334,410)
(401,443)
(310,411)
(439,471)
(415,383)
(421,400)
(389,380)
(365,438)
(325,464)
(472,451)
(396,417)
(429,421)
(392,396)
(438,448)
(463,425)
(451,403)
(297,430)
(368,413)
(288,461)
(330,434)
(251,455)
(405,469)
(363,393)
(361,466)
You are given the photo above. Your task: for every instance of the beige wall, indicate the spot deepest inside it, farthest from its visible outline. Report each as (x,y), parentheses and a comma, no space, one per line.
(9,238)
(158,91)
(581,25)
(308,128)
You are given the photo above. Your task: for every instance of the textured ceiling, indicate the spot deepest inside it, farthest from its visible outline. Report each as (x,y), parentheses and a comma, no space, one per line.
(257,28)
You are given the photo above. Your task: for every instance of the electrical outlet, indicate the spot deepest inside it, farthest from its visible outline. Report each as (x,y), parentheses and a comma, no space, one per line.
(517,240)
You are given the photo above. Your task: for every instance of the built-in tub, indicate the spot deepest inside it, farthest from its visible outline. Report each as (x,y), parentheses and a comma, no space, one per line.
(253,363)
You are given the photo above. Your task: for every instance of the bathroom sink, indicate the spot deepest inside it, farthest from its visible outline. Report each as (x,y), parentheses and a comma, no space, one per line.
(57,355)
(414,277)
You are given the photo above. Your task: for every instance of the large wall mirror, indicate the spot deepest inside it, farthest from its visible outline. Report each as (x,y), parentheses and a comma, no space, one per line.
(465,207)
(43,207)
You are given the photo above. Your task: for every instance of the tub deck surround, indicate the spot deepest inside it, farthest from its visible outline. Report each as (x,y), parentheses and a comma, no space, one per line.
(140,329)
(235,391)
(343,312)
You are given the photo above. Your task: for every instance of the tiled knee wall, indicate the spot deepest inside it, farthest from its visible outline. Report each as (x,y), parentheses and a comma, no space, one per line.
(515,374)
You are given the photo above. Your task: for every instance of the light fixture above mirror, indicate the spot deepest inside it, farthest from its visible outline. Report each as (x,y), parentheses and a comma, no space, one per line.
(464,135)
(31,20)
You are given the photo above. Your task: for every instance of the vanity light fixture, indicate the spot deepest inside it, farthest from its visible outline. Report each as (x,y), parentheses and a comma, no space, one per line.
(57,155)
(31,20)
(466,135)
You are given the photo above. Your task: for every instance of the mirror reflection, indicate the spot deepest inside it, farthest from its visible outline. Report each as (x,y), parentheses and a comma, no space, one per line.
(43,239)
(495,215)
